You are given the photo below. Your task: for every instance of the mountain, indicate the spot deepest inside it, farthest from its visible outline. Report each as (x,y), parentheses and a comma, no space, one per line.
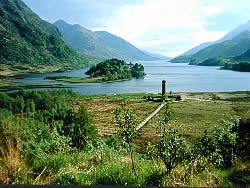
(243,57)
(197,48)
(158,56)
(235,32)
(229,36)
(100,43)
(28,43)
(228,48)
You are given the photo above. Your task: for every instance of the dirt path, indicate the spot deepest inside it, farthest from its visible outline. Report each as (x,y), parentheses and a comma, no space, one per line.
(151,116)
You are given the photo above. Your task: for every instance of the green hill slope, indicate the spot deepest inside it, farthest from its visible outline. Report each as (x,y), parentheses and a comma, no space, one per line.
(28,43)
(101,44)
(228,36)
(239,63)
(243,57)
(229,48)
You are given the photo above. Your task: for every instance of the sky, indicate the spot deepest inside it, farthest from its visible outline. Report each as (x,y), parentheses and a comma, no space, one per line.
(167,27)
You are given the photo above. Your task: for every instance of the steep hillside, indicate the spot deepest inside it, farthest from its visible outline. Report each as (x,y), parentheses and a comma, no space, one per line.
(243,57)
(28,43)
(123,46)
(229,48)
(235,32)
(229,36)
(101,44)
(197,48)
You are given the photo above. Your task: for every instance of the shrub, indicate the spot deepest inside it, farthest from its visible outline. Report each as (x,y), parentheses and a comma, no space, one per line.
(83,129)
(126,120)
(203,153)
(243,140)
(225,142)
(220,147)
(172,149)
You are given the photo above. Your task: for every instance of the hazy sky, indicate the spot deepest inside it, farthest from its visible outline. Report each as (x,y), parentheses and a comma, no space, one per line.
(168,27)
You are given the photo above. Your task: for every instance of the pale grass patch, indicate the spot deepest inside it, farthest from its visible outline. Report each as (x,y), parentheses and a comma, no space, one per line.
(11,162)
(179,177)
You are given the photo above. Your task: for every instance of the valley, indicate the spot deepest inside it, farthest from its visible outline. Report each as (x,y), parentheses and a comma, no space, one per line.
(77,78)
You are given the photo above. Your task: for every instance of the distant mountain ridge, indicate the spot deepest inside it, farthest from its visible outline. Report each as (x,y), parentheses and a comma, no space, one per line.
(228,36)
(28,42)
(238,45)
(100,43)
(235,32)
(232,44)
(197,48)
(159,56)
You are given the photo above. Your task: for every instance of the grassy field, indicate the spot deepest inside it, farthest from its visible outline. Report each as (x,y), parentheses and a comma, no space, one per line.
(191,117)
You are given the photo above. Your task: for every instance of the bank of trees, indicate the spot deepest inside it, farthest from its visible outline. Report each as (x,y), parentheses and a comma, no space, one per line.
(243,66)
(114,69)
(37,124)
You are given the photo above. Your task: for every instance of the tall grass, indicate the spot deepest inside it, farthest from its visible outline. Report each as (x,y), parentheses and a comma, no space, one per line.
(13,165)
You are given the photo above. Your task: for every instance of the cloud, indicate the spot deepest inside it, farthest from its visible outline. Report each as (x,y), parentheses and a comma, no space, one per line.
(161,23)
(168,26)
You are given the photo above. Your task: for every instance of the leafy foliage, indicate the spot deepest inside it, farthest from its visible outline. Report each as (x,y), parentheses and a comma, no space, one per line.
(239,63)
(83,129)
(220,148)
(37,146)
(51,124)
(172,149)
(126,120)
(243,66)
(114,69)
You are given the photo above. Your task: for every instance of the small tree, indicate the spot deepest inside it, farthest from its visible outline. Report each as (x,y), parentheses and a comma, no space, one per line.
(126,120)
(172,149)
(218,149)
(225,138)
(77,125)
(84,128)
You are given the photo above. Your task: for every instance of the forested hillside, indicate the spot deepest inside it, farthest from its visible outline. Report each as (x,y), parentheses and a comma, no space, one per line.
(27,41)
(229,48)
(239,63)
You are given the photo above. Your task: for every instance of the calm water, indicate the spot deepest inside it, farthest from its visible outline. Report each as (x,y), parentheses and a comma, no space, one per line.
(180,78)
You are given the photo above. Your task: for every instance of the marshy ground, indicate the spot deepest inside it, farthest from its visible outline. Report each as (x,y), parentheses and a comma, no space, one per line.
(194,114)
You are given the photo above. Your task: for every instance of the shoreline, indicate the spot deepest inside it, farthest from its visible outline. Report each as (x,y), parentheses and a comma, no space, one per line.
(74,80)
(197,95)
